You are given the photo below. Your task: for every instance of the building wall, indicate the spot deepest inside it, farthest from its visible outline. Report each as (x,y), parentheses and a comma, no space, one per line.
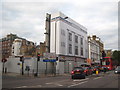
(16,47)
(94,46)
(108,53)
(13,67)
(7,44)
(60,36)
(42,48)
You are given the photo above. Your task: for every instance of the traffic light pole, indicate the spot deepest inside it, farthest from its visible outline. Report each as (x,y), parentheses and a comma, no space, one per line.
(22,68)
(22,60)
(37,69)
(38,59)
(3,66)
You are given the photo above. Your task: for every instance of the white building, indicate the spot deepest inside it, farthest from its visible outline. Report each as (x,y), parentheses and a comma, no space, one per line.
(68,39)
(94,49)
(16,47)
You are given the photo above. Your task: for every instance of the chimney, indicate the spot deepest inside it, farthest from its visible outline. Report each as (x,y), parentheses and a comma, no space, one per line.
(94,37)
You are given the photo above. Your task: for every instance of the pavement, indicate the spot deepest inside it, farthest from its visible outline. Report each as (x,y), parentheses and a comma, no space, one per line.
(32,76)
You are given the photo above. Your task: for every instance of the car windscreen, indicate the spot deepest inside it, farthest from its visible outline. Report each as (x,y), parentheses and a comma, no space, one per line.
(118,68)
(85,68)
(78,68)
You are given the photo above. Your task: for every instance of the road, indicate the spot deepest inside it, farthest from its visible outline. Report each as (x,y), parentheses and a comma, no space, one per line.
(107,80)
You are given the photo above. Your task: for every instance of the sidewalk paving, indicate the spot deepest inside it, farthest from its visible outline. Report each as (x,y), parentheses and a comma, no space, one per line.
(32,76)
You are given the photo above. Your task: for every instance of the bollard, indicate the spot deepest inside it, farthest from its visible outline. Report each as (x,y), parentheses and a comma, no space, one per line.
(96,72)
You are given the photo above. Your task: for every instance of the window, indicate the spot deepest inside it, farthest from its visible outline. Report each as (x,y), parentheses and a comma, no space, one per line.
(81,41)
(76,39)
(70,36)
(63,32)
(70,49)
(81,51)
(76,50)
(62,44)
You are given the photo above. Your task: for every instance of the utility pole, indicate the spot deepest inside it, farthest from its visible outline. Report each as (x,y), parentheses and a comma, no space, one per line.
(3,61)
(38,59)
(22,60)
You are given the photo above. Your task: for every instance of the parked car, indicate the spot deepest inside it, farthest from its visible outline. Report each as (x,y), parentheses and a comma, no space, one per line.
(104,69)
(77,72)
(117,70)
(97,68)
(87,71)
(85,65)
(93,69)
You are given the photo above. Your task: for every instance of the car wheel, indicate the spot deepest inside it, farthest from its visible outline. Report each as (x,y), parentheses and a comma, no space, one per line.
(83,77)
(87,74)
(72,77)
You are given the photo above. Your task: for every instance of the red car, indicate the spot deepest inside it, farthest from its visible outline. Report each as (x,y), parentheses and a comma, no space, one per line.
(77,72)
(87,71)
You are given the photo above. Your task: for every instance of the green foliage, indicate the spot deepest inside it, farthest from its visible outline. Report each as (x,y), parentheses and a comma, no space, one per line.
(116,56)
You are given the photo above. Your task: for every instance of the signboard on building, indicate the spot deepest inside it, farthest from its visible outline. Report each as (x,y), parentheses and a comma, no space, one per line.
(50,55)
(49,60)
(63,58)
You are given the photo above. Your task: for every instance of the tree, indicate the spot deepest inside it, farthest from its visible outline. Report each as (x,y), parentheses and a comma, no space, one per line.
(116,56)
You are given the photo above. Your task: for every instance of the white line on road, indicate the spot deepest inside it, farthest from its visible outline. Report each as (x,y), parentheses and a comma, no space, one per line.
(56,82)
(59,84)
(97,78)
(81,80)
(48,83)
(77,84)
(21,87)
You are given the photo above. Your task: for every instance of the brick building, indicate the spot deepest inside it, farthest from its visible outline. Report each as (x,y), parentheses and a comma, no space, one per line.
(41,48)
(95,48)
(6,44)
(27,47)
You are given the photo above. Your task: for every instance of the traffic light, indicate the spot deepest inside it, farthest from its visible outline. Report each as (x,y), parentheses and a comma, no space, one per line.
(38,57)
(4,60)
(57,58)
(21,59)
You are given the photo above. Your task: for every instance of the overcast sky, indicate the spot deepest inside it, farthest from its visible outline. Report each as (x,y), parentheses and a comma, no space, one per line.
(26,18)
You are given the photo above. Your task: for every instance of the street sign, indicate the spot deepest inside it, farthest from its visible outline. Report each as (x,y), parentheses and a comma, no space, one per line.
(49,60)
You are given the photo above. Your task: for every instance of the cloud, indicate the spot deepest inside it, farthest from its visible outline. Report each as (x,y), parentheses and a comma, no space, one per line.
(27,18)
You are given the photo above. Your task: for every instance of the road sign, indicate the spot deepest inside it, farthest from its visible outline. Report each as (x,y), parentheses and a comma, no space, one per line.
(49,60)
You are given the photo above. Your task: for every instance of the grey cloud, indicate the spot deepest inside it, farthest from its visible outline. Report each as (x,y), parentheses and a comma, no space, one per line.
(28,19)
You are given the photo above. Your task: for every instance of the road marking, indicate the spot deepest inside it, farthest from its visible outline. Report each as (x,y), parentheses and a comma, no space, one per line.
(81,80)
(97,78)
(35,86)
(48,83)
(59,84)
(21,87)
(56,82)
(77,84)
